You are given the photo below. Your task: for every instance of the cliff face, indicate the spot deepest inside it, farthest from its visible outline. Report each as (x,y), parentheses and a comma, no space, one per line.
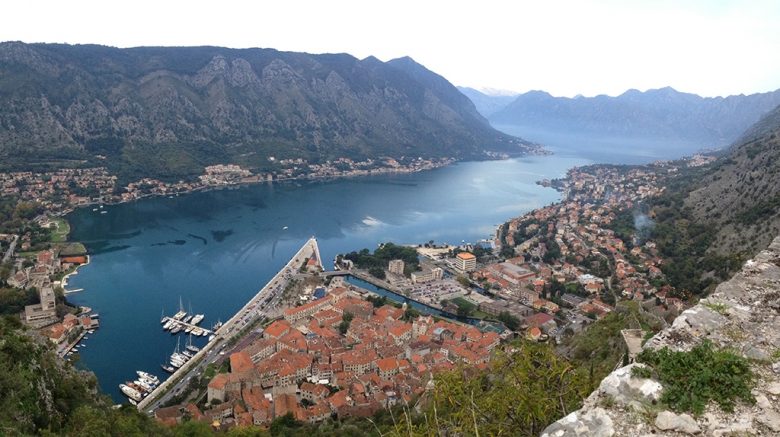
(172,110)
(742,315)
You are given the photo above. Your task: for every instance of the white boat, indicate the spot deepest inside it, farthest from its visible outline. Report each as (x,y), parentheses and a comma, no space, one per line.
(143,385)
(104,212)
(176,329)
(197,319)
(205,333)
(192,348)
(197,332)
(211,337)
(187,354)
(147,376)
(187,319)
(284,228)
(188,330)
(94,209)
(168,369)
(130,392)
(217,326)
(168,325)
(132,402)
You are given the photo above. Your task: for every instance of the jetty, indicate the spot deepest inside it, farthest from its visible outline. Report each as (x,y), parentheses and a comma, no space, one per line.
(229,330)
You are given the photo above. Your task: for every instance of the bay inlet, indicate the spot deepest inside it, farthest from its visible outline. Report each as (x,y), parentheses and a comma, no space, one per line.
(214,249)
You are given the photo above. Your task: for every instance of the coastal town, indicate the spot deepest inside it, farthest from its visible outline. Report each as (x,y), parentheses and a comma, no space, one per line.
(58,192)
(338,350)
(329,347)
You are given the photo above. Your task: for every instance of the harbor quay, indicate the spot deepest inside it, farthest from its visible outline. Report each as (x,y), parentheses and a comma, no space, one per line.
(232,329)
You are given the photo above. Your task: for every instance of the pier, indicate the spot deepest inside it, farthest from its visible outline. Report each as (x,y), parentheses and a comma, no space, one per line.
(185,325)
(232,328)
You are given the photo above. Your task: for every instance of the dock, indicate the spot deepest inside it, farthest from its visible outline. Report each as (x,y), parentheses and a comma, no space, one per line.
(229,330)
(187,325)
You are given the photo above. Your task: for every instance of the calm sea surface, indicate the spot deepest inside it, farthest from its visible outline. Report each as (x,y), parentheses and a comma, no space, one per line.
(214,250)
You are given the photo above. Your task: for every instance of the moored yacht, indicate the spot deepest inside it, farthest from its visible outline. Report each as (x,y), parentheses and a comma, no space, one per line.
(130,392)
(197,319)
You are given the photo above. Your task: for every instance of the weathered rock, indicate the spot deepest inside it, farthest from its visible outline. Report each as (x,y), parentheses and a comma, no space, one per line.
(668,421)
(591,423)
(771,419)
(625,389)
(739,315)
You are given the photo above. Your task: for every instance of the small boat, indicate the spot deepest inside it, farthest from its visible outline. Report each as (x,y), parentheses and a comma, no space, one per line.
(91,331)
(197,319)
(284,228)
(187,319)
(187,354)
(168,369)
(216,326)
(197,332)
(147,376)
(94,316)
(94,209)
(176,329)
(130,392)
(104,212)
(205,333)
(188,330)
(192,348)
(211,337)
(132,402)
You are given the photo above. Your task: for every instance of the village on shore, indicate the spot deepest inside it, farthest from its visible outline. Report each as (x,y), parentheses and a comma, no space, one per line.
(339,350)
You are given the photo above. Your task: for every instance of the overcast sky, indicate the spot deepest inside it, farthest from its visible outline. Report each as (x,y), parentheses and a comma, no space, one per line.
(708,47)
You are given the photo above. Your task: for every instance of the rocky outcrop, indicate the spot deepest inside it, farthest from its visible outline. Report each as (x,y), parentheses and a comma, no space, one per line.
(743,314)
(193,106)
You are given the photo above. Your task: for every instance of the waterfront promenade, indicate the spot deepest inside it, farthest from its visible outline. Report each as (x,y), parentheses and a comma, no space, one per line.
(230,330)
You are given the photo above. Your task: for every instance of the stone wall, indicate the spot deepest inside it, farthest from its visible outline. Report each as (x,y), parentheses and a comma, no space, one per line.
(743,314)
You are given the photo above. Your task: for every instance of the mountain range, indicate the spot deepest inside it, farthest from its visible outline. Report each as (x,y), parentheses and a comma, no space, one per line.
(154,111)
(657,113)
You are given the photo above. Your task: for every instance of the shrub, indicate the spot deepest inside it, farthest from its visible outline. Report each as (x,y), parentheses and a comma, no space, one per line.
(692,379)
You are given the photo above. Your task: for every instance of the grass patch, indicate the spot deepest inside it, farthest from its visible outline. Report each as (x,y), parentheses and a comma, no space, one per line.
(718,307)
(60,230)
(692,379)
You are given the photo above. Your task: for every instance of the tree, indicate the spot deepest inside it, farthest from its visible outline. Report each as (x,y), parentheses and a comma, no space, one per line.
(464,281)
(377,272)
(510,321)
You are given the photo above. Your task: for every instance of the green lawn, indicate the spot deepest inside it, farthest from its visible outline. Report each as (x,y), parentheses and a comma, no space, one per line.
(60,231)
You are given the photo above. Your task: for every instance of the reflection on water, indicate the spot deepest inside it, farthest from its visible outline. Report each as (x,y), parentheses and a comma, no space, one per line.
(216,249)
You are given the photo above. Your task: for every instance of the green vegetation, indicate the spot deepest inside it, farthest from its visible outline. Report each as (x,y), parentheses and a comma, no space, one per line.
(510,321)
(684,243)
(377,272)
(382,256)
(44,394)
(519,394)
(694,378)
(600,346)
(60,230)
(346,320)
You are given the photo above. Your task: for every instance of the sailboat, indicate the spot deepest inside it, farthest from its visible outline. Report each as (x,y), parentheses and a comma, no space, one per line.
(181,313)
(163,319)
(190,347)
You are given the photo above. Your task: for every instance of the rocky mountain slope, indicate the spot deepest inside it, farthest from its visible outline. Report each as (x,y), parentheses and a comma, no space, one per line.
(743,316)
(740,195)
(170,111)
(660,114)
(487,104)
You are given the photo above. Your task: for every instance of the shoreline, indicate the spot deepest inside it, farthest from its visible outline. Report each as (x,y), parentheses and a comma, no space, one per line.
(64,280)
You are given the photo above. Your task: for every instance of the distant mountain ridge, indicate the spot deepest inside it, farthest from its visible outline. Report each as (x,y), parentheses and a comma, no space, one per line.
(154,111)
(487,104)
(658,113)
